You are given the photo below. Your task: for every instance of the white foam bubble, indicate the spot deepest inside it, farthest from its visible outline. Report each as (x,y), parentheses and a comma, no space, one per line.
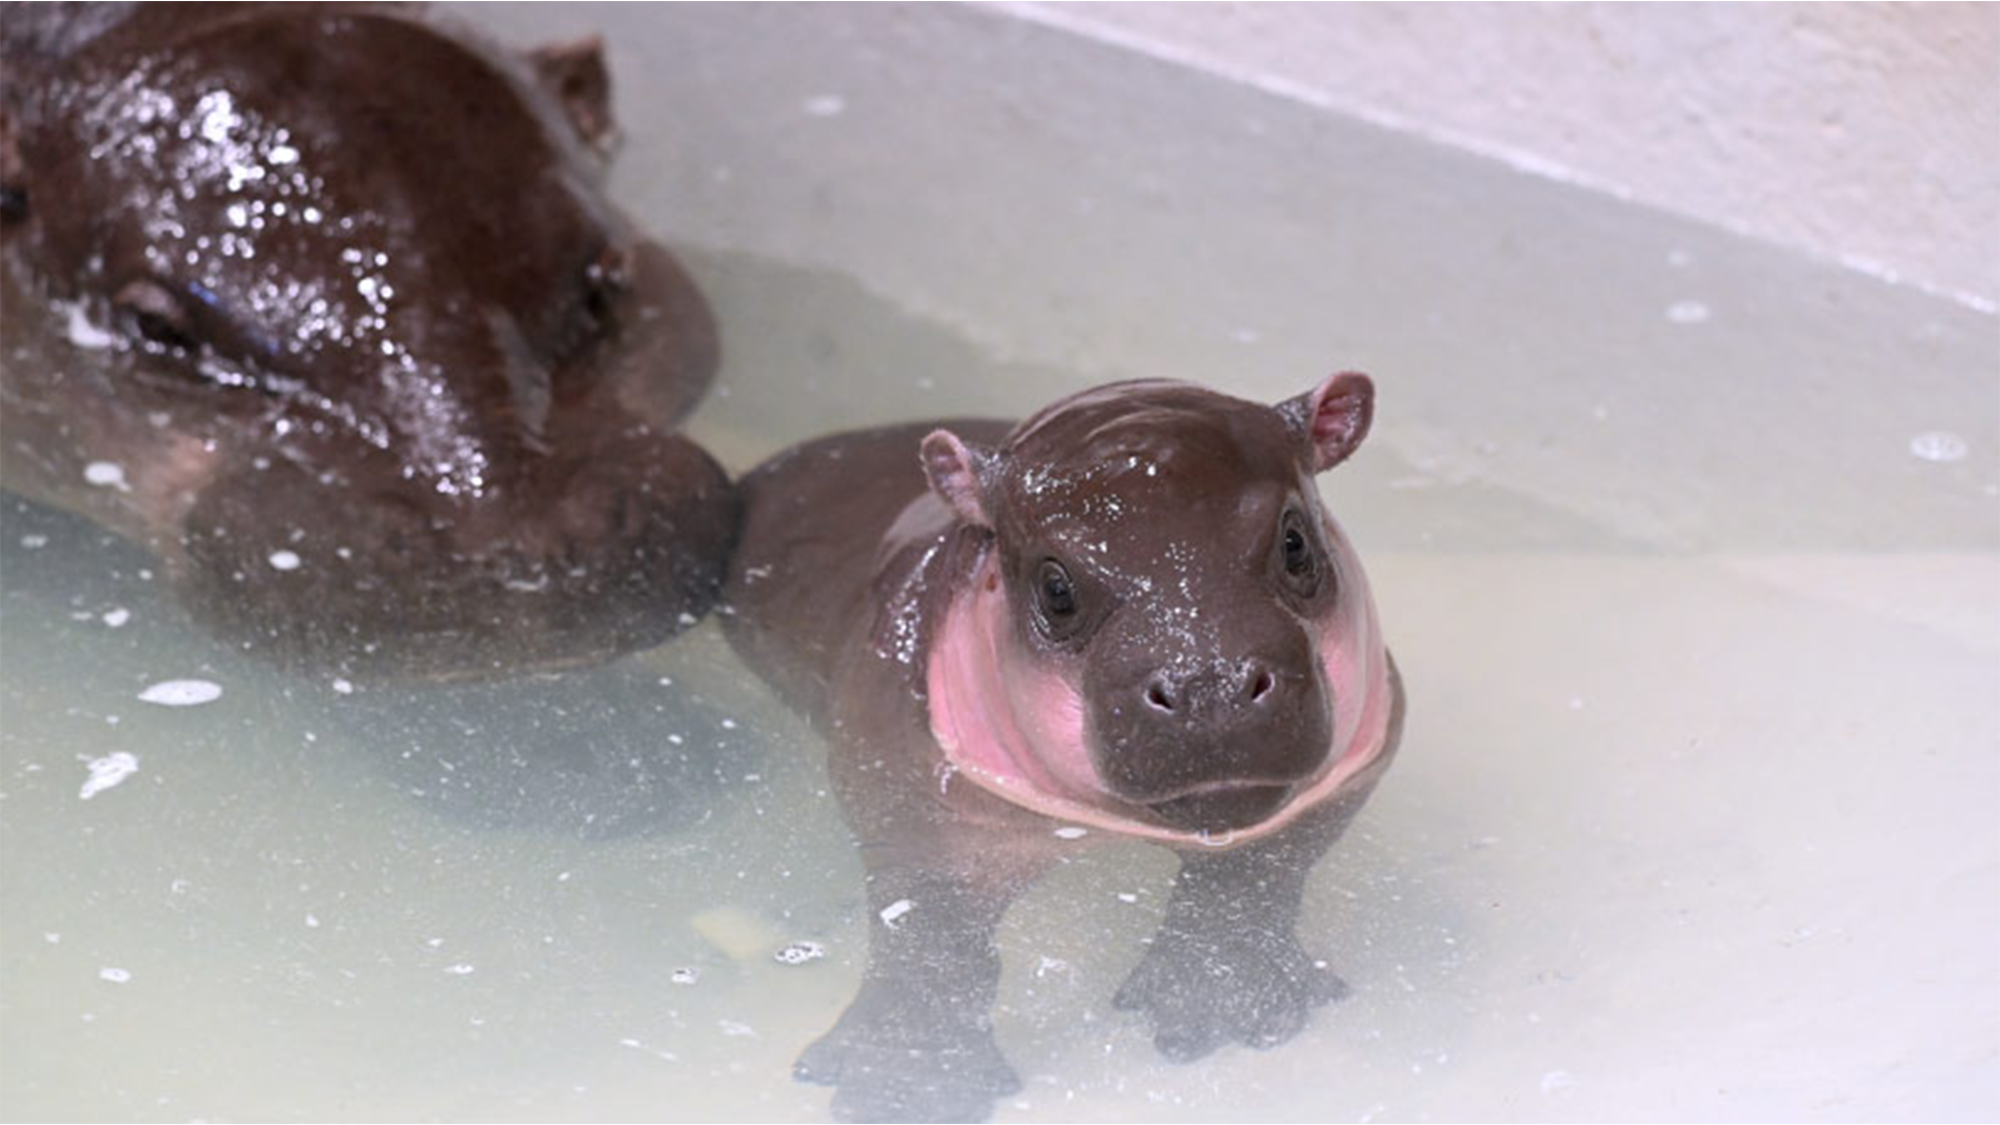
(1941,446)
(108,771)
(182,693)
(1688,312)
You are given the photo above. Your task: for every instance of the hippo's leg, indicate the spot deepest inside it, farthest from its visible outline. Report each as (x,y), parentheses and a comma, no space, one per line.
(917,1042)
(1226,965)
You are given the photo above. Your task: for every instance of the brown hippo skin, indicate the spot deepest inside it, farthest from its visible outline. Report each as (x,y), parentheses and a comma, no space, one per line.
(324,306)
(1130,614)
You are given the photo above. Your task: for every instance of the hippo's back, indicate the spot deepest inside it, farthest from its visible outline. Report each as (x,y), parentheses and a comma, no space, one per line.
(817,518)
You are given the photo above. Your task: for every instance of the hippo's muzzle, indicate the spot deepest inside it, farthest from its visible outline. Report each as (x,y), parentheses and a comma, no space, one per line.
(578,558)
(1212,744)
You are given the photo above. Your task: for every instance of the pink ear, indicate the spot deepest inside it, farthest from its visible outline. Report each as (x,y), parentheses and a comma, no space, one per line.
(1334,416)
(953,470)
(575,76)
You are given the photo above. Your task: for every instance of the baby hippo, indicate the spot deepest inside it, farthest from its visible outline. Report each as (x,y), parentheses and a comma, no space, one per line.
(1129,614)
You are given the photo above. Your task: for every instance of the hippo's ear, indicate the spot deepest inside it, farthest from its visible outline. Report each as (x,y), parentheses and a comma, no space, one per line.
(1332,417)
(957,474)
(574,75)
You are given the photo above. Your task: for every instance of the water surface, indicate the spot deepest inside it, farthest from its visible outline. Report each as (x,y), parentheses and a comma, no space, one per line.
(1688,547)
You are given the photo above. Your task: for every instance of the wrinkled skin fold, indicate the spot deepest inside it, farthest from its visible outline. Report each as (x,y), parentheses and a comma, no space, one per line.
(324,306)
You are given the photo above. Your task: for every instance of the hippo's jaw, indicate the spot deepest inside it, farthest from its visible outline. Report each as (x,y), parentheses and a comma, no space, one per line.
(1223,806)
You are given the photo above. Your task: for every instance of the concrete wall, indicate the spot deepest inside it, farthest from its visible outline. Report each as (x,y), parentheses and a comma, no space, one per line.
(1868,133)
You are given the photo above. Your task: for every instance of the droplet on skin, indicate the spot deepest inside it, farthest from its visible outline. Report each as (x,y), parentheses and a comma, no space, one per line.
(1071,832)
(1939,446)
(106,474)
(84,334)
(118,617)
(892,914)
(284,560)
(342,687)
(182,693)
(460,969)
(114,974)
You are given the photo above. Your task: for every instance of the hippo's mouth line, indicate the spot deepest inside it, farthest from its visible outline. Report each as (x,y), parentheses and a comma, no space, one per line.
(1222,807)
(1217,789)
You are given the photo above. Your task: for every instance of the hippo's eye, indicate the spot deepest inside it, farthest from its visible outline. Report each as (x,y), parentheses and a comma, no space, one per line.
(1300,561)
(1055,600)
(604,279)
(154,316)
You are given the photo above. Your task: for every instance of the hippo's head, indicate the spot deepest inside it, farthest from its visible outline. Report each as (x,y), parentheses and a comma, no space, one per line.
(1168,633)
(326,307)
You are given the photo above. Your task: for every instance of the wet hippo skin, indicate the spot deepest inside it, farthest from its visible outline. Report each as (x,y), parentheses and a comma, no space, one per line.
(1129,614)
(324,306)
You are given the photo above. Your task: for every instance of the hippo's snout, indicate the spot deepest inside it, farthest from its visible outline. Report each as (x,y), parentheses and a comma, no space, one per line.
(1217,743)
(577,560)
(1222,694)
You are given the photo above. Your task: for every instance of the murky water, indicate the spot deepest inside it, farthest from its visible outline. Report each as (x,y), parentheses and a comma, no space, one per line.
(1689,550)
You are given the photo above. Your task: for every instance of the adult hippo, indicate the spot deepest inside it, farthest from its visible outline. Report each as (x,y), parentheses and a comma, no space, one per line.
(1131,614)
(325,307)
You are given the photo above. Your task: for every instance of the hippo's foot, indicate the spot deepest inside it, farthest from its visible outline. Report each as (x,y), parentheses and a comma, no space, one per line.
(901,1060)
(1247,985)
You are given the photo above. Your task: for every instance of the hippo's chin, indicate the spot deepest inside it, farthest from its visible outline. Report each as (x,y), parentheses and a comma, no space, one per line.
(1225,807)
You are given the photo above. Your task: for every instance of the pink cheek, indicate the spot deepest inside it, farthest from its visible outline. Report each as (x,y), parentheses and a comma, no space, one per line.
(1347,682)
(1049,710)
(1350,655)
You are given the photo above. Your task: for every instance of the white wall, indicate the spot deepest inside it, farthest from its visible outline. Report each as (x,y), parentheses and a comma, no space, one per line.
(1868,133)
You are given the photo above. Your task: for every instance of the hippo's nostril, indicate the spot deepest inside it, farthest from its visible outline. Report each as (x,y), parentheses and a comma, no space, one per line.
(1158,696)
(1261,686)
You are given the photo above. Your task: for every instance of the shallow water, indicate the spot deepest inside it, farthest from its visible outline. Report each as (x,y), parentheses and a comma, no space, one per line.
(1693,816)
